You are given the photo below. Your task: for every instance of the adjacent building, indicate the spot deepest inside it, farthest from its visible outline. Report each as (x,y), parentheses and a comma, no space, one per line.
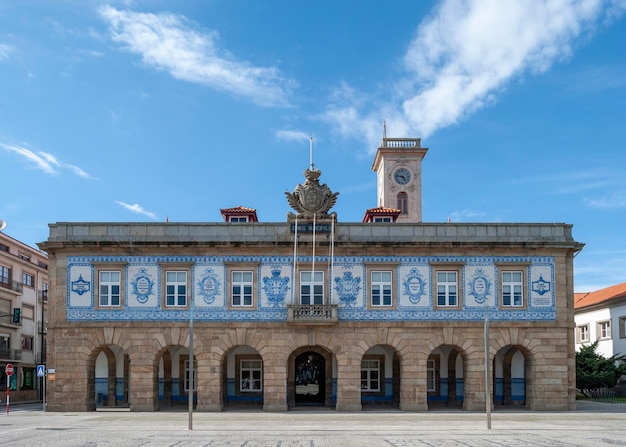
(23,300)
(601,316)
(314,311)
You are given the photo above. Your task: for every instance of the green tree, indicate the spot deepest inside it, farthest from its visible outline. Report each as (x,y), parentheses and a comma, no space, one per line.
(594,371)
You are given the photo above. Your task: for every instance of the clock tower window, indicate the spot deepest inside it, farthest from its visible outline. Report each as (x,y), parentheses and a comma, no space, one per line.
(403,203)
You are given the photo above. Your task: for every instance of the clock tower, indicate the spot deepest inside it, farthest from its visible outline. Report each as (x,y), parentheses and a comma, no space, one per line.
(398,166)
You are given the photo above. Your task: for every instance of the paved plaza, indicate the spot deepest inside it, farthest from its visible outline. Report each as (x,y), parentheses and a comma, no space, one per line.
(593,424)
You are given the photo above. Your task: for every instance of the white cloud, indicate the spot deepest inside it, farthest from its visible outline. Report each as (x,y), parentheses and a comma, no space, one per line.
(466,52)
(4,51)
(615,200)
(44,161)
(292,135)
(169,42)
(138,209)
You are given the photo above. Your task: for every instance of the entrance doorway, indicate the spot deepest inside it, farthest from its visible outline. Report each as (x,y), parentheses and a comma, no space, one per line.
(310,379)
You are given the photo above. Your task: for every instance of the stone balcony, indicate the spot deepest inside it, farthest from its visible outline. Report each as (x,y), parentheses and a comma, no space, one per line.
(312,314)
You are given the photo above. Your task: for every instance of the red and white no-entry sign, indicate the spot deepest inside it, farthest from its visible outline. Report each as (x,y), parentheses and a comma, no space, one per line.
(8,369)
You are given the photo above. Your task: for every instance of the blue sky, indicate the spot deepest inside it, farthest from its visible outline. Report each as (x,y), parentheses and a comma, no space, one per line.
(146,110)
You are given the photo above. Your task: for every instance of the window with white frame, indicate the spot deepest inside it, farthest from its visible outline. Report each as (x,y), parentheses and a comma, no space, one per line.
(512,289)
(380,288)
(582,333)
(195,376)
(385,219)
(28,279)
(109,289)
(238,219)
(175,288)
(430,376)
(604,330)
(251,372)
(5,274)
(370,375)
(241,288)
(312,287)
(447,288)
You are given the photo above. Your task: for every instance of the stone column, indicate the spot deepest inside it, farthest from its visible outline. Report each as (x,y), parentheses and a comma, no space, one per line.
(413,377)
(210,380)
(274,383)
(349,382)
(143,382)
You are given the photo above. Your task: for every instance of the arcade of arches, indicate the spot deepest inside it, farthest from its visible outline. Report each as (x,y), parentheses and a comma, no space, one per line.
(237,371)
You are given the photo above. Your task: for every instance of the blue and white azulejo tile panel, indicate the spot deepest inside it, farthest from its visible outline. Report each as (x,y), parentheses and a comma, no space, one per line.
(413,292)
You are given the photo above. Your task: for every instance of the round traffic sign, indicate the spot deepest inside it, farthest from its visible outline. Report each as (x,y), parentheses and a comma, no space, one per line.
(8,369)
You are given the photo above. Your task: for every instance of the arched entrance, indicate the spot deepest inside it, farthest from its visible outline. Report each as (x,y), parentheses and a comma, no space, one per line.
(445,377)
(380,378)
(509,374)
(243,379)
(310,379)
(174,379)
(111,377)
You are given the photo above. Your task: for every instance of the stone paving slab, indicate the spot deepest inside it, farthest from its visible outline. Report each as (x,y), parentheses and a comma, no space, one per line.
(591,425)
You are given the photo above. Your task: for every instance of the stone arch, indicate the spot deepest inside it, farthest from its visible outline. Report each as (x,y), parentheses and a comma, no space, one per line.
(313,385)
(243,378)
(107,377)
(171,377)
(380,377)
(511,366)
(445,376)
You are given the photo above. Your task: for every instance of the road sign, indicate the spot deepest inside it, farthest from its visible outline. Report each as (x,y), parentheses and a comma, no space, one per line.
(8,370)
(41,371)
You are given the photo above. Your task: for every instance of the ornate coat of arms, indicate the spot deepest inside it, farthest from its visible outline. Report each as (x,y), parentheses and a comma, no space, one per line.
(311,198)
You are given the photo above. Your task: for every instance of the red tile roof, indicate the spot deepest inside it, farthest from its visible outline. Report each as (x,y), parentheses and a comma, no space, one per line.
(380,211)
(615,292)
(239,211)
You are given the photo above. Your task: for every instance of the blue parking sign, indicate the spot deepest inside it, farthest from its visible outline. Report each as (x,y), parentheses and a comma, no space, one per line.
(40,371)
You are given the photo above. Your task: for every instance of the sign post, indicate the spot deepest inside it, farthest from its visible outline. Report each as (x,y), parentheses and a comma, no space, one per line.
(8,370)
(41,372)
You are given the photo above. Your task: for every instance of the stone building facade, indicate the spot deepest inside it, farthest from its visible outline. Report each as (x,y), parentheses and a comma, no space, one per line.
(313,312)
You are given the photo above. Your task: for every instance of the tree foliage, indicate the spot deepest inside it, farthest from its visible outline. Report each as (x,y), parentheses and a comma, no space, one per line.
(595,371)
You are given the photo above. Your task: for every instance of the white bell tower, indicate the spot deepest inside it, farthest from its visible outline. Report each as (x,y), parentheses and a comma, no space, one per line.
(398,166)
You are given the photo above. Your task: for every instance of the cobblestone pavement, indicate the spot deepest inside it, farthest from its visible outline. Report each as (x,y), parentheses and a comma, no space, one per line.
(593,424)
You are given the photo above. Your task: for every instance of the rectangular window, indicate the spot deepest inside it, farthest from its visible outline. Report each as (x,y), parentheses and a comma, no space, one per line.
(604,330)
(622,327)
(430,376)
(109,288)
(512,289)
(582,334)
(238,219)
(175,289)
(27,343)
(447,289)
(5,275)
(312,287)
(195,376)
(241,288)
(28,279)
(380,288)
(370,375)
(382,219)
(251,376)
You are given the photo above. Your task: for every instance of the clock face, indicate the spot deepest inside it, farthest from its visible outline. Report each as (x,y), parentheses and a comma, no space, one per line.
(402,176)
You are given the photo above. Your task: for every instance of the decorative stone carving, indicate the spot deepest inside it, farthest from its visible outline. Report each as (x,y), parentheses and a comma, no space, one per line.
(311,198)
